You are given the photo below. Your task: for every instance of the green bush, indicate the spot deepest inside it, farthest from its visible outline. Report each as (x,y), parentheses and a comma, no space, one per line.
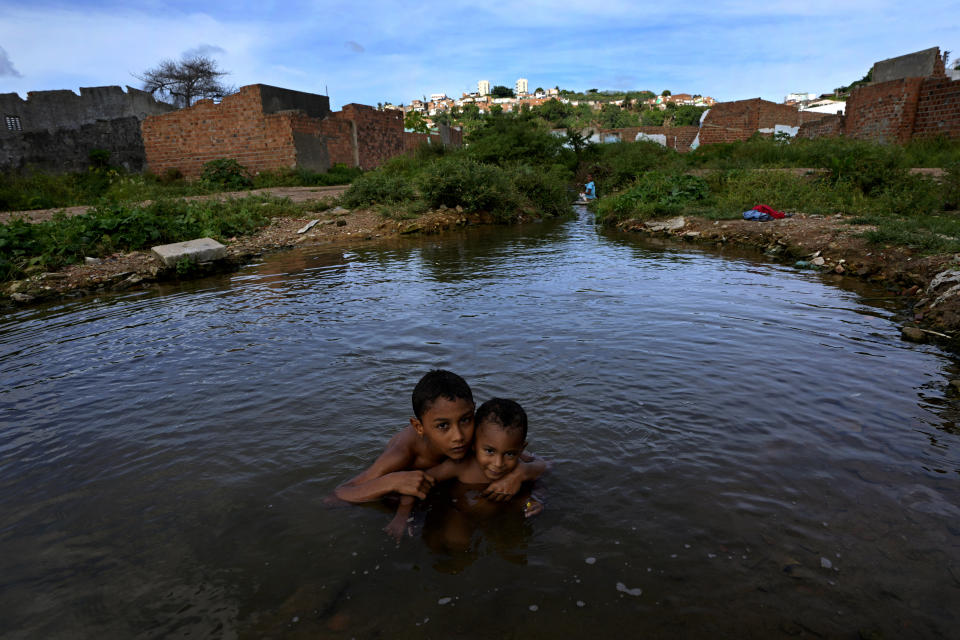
(619,164)
(454,181)
(737,191)
(299,177)
(544,189)
(504,139)
(225,173)
(377,187)
(653,194)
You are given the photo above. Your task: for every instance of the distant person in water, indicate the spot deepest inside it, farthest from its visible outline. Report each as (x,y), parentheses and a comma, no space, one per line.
(499,442)
(440,429)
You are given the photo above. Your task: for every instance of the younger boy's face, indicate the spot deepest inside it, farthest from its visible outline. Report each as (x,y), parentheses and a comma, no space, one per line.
(447,426)
(498,450)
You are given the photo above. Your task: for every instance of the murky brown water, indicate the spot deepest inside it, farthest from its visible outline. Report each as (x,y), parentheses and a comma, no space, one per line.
(740,449)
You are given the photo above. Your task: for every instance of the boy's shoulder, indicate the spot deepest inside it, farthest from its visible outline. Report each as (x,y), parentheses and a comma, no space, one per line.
(408,444)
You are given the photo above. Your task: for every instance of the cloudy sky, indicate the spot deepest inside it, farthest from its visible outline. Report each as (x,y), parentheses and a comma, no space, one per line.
(371,51)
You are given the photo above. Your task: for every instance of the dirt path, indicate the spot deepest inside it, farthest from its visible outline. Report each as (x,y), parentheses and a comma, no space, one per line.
(296,194)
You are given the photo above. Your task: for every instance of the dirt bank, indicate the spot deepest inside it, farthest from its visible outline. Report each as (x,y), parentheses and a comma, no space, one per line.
(296,194)
(124,271)
(830,244)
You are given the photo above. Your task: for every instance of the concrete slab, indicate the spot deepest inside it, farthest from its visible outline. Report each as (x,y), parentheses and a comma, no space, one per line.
(200,250)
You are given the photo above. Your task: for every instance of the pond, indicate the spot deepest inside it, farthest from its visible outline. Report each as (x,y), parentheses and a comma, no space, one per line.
(739,449)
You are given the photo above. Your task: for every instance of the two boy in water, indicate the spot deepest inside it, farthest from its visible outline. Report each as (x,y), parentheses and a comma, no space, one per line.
(447,439)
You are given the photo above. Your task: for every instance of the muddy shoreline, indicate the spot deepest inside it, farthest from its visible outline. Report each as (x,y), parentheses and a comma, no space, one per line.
(825,243)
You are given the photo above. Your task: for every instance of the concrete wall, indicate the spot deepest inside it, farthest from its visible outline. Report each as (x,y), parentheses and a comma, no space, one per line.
(919,64)
(51,110)
(60,128)
(68,149)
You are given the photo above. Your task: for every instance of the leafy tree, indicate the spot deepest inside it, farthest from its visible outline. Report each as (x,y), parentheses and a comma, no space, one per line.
(538,90)
(501,91)
(592,90)
(505,138)
(652,118)
(613,117)
(415,121)
(666,92)
(687,115)
(554,112)
(183,83)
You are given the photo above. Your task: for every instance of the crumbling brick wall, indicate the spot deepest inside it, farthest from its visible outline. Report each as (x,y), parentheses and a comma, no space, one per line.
(883,112)
(741,119)
(826,127)
(267,128)
(412,141)
(379,134)
(236,128)
(938,109)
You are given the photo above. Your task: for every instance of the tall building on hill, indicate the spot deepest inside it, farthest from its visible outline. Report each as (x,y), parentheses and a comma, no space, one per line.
(483,87)
(521,86)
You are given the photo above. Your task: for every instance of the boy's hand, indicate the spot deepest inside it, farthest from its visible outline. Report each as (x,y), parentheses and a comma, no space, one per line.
(532,508)
(399,527)
(503,489)
(412,483)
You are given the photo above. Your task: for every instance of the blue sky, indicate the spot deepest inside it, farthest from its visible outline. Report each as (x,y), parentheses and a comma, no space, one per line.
(371,51)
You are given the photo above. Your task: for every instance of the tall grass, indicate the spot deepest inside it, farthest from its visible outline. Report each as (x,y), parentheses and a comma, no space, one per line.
(25,247)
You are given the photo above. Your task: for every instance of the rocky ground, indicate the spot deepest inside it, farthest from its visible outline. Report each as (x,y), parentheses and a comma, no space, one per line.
(929,284)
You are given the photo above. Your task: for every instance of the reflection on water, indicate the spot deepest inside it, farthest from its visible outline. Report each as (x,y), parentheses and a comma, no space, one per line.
(739,449)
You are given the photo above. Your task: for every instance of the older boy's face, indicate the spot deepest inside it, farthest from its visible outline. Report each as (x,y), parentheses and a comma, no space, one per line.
(498,450)
(447,425)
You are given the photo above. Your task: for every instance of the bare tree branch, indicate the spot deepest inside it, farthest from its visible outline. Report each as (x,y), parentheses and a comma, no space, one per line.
(183,83)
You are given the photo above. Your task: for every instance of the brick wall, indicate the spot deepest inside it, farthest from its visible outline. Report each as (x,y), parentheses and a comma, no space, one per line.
(938,109)
(379,134)
(827,127)
(267,128)
(236,128)
(413,141)
(884,112)
(739,120)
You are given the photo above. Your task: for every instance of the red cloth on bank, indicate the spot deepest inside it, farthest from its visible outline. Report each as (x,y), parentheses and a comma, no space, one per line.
(773,213)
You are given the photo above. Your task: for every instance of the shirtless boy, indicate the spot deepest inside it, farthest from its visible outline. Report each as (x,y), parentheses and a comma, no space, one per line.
(501,433)
(440,429)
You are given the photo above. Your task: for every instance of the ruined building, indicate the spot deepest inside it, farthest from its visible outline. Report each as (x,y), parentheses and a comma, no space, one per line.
(909,97)
(267,128)
(56,130)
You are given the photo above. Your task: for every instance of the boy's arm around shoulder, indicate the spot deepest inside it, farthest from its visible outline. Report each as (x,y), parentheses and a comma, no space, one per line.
(398,526)
(388,474)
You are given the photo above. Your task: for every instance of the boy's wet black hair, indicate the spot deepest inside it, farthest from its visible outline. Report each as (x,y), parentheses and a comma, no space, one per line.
(507,414)
(436,384)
